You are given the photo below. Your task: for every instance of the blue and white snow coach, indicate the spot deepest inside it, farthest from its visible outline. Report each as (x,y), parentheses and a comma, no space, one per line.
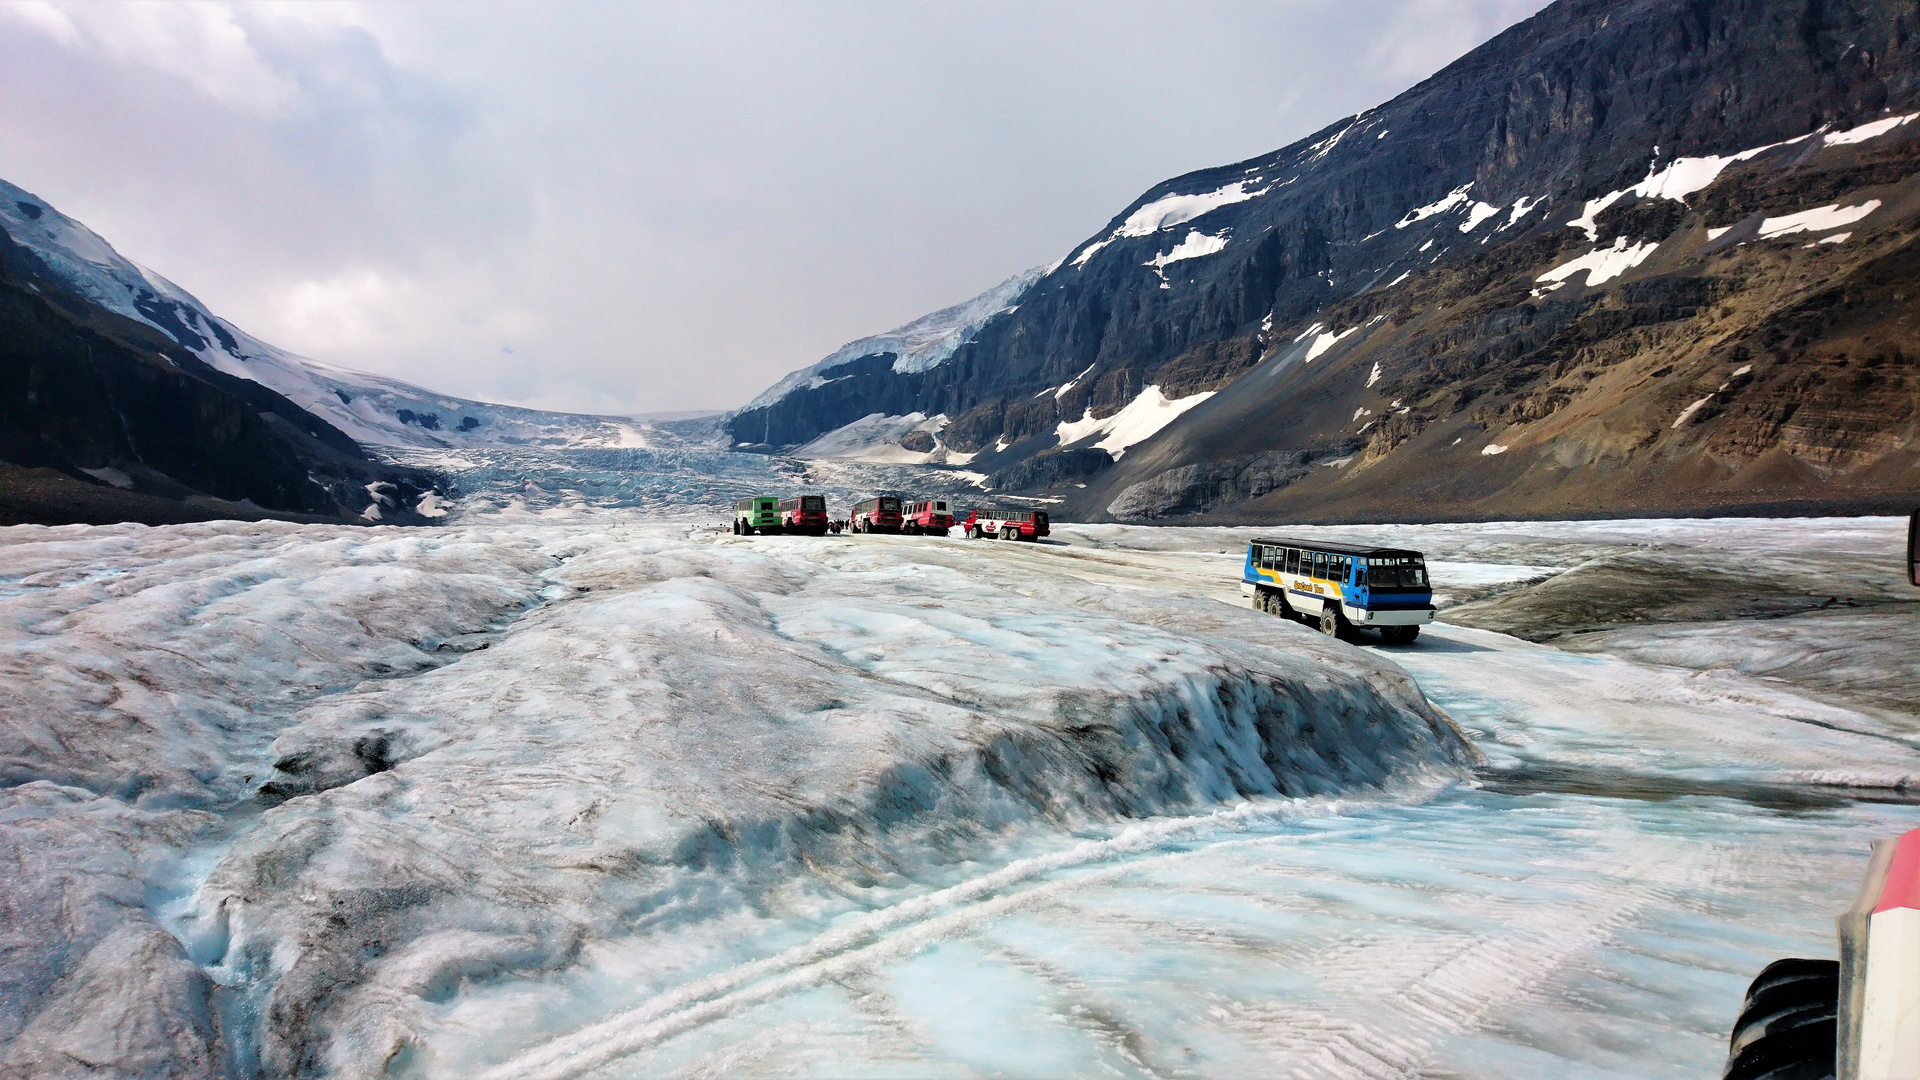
(1342,587)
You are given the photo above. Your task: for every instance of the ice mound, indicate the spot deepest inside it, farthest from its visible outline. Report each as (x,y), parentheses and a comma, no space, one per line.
(358,772)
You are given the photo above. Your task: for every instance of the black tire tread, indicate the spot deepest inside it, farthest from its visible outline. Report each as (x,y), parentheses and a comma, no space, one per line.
(1787,1025)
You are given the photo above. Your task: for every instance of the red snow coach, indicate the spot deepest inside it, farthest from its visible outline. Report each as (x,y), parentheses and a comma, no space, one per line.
(804,514)
(881,515)
(1005,524)
(928,517)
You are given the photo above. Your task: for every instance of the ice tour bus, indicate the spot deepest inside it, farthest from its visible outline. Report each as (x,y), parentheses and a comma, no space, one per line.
(928,517)
(756,514)
(1342,587)
(1005,524)
(876,515)
(804,515)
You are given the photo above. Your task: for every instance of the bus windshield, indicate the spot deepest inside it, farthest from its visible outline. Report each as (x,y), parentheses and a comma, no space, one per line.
(813,502)
(888,504)
(1397,572)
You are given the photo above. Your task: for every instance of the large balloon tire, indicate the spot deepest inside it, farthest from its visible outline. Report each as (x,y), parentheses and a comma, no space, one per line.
(1788,1025)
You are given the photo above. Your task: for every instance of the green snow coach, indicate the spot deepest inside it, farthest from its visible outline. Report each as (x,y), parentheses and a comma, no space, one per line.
(756,514)
(1341,587)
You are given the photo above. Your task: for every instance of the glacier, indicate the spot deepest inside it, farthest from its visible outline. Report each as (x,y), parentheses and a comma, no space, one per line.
(586,786)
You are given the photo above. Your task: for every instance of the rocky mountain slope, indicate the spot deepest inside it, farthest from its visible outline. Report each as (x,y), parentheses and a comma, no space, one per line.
(1630,255)
(105,419)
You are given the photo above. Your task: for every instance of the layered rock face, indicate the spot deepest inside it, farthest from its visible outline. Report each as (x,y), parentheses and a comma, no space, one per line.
(1495,294)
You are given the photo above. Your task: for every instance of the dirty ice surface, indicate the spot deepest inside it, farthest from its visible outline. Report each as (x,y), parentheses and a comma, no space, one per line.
(587,795)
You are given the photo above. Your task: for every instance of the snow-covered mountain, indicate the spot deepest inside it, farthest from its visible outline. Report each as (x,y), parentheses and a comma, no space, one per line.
(923,343)
(371,409)
(1628,255)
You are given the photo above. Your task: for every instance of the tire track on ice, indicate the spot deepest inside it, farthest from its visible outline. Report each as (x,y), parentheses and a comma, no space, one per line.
(896,932)
(1454,995)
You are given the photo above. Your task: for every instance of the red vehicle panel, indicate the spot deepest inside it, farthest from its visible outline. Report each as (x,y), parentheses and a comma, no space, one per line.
(1006,524)
(928,517)
(881,515)
(804,514)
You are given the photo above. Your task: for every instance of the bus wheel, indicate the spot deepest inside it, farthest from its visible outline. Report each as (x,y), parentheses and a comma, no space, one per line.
(1330,622)
(1009,534)
(1787,1024)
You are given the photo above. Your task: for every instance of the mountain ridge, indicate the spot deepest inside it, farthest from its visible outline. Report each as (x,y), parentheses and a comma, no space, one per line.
(372,409)
(1589,143)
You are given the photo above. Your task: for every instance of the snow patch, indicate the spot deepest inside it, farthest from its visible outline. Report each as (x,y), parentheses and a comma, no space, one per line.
(1476,214)
(1603,264)
(1687,413)
(1867,131)
(1454,198)
(112,477)
(1817,220)
(1681,178)
(1490,449)
(1196,245)
(1171,210)
(1145,415)
(1071,383)
(1375,377)
(1324,342)
(876,438)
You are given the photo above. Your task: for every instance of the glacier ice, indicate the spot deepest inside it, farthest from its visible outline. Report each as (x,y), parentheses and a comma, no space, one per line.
(592,794)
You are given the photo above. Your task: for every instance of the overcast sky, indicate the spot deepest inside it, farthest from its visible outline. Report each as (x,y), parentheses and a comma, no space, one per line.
(643,207)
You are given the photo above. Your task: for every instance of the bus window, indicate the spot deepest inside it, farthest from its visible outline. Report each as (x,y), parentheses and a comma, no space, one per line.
(1360,575)
(1413,577)
(1320,565)
(1293,560)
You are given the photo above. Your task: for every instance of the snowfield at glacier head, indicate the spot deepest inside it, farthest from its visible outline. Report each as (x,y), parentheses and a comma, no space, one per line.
(589,795)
